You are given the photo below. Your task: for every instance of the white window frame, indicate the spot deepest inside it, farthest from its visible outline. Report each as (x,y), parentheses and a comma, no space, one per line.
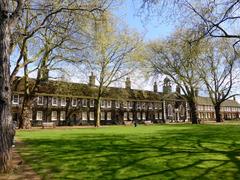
(143,116)
(63,102)
(62,116)
(125,104)
(130,104)
(84,114)
(125,116)
(102,115)
(156,115)
(54,116)
(91,102)
(84,102)
(91,116)
(74,104)
(38,100)
(130,114)
(117,104)
(109,104)
(109,116)
(39,116)
(103,103)
(13,99)
(54,104)
(138,115)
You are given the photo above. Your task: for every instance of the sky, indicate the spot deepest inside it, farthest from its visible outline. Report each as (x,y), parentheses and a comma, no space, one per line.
(150,28)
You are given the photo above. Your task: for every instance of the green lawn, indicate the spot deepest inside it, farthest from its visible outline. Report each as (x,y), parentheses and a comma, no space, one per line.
(144,152)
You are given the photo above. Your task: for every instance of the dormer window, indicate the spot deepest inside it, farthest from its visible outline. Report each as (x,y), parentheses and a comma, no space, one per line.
(54,101)
(40,100)
(63,101)
(15,99)
(74,102)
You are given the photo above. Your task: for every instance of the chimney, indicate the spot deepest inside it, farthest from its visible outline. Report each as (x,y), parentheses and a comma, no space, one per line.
(234,98)
(92,79)
(128,83)
(167,87)
(155,87)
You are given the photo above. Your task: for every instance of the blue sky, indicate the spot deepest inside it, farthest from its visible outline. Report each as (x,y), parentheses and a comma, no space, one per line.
(151,28)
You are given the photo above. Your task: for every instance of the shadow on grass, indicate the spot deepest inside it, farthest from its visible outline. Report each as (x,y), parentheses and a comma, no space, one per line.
(200,152)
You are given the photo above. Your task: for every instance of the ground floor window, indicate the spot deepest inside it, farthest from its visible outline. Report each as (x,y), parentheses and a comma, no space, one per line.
(138,115)
(125,117)
(156,115)
(54,116)
(91,116)
(109,116)
(144,116)
(160,115)
(130,115)
(102,115)
(39,116)
(84,116)
(63,116)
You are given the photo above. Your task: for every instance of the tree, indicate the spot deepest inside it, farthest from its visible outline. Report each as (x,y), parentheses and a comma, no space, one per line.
(8,20)
(10,12)
(177,58)
(219,73)
(112,56)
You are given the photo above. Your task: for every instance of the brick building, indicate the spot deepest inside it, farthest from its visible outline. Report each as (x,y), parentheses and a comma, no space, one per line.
(67,103)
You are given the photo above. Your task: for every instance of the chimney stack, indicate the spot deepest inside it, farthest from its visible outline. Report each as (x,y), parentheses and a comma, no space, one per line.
(92,79)
(155,87)
(234,98)
(128,83)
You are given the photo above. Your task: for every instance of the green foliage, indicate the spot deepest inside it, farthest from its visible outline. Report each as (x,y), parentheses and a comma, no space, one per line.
(145,152)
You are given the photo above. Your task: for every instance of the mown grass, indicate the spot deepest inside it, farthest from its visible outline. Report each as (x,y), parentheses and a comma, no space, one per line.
(144,152)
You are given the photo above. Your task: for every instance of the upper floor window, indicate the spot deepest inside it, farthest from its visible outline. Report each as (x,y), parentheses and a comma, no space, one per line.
(102,103)
(143,105)
(74,102)
(130,105)
(15,99)
(138,105)
(117,104)
(109,104)
(84,102)
(63,101)
(54,101)
(91,102)
(40,100)
(124,104)
(150,105)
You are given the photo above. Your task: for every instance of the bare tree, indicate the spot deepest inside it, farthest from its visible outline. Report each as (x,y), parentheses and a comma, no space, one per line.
(177,58)
(219,73)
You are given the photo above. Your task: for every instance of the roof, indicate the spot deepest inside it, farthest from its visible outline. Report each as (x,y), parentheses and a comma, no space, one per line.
(207,101)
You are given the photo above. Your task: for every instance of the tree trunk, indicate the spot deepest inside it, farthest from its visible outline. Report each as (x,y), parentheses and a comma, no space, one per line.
(24,120)
(193,112)
(6,126)
(217,108)
(98,112)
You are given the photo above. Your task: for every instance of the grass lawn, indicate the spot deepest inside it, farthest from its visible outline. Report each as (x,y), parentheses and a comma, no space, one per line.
(144,152)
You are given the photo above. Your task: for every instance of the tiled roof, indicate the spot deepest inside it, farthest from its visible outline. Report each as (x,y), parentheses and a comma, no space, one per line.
(207,101)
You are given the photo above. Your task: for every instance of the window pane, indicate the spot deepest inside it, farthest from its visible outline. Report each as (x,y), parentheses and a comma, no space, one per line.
(54,115)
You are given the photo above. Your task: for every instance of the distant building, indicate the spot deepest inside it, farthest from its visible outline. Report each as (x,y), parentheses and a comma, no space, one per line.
(74,104)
